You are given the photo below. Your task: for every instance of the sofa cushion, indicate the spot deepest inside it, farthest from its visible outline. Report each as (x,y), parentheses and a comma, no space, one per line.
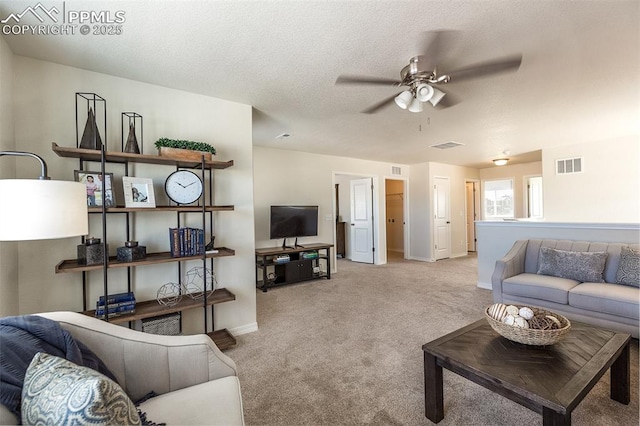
(214,402)
(575,265)
(57,391)
(629,267)
(612,299)
(543,287)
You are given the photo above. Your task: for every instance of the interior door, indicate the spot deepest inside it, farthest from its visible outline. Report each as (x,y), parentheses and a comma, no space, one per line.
(472,205)
(361,231)
(441,218)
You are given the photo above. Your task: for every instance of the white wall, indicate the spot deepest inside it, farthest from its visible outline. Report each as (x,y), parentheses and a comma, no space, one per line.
(8,250)
(45,111)
(496,238)
(517,172)
(292,177)
(608,189)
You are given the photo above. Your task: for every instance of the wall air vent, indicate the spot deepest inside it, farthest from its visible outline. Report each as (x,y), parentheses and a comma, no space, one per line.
(446,145)
(396,171)
(569,165)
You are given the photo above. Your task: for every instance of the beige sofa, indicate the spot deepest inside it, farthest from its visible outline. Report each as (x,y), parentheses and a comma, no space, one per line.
(195,382)
(516,280)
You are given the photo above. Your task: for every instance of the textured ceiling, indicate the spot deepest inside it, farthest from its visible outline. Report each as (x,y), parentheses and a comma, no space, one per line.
(579,80)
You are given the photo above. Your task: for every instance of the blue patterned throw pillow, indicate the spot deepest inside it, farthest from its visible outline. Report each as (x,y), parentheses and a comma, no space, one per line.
(583,266)
(629,268)
(57,391)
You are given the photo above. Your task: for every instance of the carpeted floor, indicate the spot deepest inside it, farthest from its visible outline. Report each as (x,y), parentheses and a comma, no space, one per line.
(347,351)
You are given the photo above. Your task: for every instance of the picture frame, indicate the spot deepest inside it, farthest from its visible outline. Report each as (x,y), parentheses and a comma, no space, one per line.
(138,192)
(93,183)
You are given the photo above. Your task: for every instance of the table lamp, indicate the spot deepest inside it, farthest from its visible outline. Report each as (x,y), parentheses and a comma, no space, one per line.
(41,209)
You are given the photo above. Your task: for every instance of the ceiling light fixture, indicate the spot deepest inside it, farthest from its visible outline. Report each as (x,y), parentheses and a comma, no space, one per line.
(403,100)
(421,92)
(500,161)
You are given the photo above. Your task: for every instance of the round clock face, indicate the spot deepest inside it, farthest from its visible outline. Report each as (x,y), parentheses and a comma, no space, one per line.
(183,187)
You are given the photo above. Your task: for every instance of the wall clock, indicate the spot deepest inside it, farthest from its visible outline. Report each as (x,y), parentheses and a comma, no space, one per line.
(183,187)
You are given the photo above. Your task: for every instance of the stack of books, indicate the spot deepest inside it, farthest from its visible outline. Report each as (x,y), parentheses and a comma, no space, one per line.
(186,241)
(116,305)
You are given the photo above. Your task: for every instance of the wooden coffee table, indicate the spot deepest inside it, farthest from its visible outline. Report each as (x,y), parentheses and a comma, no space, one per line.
(551,380)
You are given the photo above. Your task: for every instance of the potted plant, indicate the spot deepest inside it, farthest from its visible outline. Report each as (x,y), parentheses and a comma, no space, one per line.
(184,149)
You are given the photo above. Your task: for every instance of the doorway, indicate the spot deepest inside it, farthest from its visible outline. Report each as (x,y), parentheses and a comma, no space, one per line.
(472,203)
(355,207)
(533,200)
(442,218)
(395,214)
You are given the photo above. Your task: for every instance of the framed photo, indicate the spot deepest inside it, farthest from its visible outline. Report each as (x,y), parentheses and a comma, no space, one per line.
(138,192)
(93,182)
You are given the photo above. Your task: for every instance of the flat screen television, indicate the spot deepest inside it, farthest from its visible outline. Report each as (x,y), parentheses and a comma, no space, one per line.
(293,221)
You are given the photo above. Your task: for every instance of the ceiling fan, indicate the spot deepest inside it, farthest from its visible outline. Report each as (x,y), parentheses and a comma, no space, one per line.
(422,75)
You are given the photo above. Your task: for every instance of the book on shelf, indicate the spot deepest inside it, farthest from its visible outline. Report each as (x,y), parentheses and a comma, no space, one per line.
(118,298)
(186,242)
(115,314)
(123,308)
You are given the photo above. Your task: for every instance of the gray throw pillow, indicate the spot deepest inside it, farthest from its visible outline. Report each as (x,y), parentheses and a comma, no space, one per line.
(583,266)
(629,267)
(57,391)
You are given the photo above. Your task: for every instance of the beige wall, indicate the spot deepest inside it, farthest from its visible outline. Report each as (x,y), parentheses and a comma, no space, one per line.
(517,172)
(44,111)
(292,177)
(608,189)
(8,250)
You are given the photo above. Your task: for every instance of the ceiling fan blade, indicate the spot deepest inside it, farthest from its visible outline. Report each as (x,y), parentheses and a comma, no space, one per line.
(435,45)
(380,81)
(383,103)
(484,69)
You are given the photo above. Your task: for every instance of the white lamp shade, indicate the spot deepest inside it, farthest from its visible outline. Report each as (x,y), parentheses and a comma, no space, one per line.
(424,92)
(437,96)
(416,106)
(42,209)
(403,100)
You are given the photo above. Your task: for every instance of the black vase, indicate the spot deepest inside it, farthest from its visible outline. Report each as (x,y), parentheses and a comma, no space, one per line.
(132,142)
(91,137)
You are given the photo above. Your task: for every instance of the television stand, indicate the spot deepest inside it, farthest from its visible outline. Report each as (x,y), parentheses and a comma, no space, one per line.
(293,247)
(272,273)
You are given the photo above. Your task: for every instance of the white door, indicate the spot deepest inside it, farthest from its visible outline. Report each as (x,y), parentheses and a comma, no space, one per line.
(472,204)
(361,220)
(534,197)
(441,218)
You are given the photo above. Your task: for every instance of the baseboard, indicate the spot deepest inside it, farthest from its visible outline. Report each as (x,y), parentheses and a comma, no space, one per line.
(486,286)
(421,259)
(244,329)
(460,255)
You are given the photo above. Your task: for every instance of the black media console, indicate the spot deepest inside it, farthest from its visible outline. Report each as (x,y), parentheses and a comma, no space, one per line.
(304,264)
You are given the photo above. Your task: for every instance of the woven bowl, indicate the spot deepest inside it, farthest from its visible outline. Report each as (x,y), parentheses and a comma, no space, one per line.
(530,336)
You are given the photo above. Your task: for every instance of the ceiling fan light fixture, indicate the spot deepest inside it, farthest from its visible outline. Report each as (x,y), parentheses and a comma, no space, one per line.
(403,100)
(437,96)
(416,106)
(424,92)
(500,161)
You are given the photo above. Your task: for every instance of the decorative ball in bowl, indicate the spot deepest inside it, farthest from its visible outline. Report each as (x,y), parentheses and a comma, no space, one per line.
(527,324)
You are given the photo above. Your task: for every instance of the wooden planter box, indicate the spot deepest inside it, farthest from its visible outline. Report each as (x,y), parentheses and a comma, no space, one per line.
(183,154)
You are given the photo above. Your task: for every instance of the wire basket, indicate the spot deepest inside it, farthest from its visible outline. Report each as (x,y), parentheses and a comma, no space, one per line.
(531,336)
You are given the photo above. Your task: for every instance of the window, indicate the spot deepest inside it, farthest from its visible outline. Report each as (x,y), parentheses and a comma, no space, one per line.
(498,199)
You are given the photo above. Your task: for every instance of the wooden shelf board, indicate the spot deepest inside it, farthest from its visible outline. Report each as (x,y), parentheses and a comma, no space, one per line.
(223,339)
(72,265)
(185,209)
(151,308)
(125,157)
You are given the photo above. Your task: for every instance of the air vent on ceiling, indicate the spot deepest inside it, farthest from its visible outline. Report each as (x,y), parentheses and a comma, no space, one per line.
(569,165)
(447,145)
(395,170)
